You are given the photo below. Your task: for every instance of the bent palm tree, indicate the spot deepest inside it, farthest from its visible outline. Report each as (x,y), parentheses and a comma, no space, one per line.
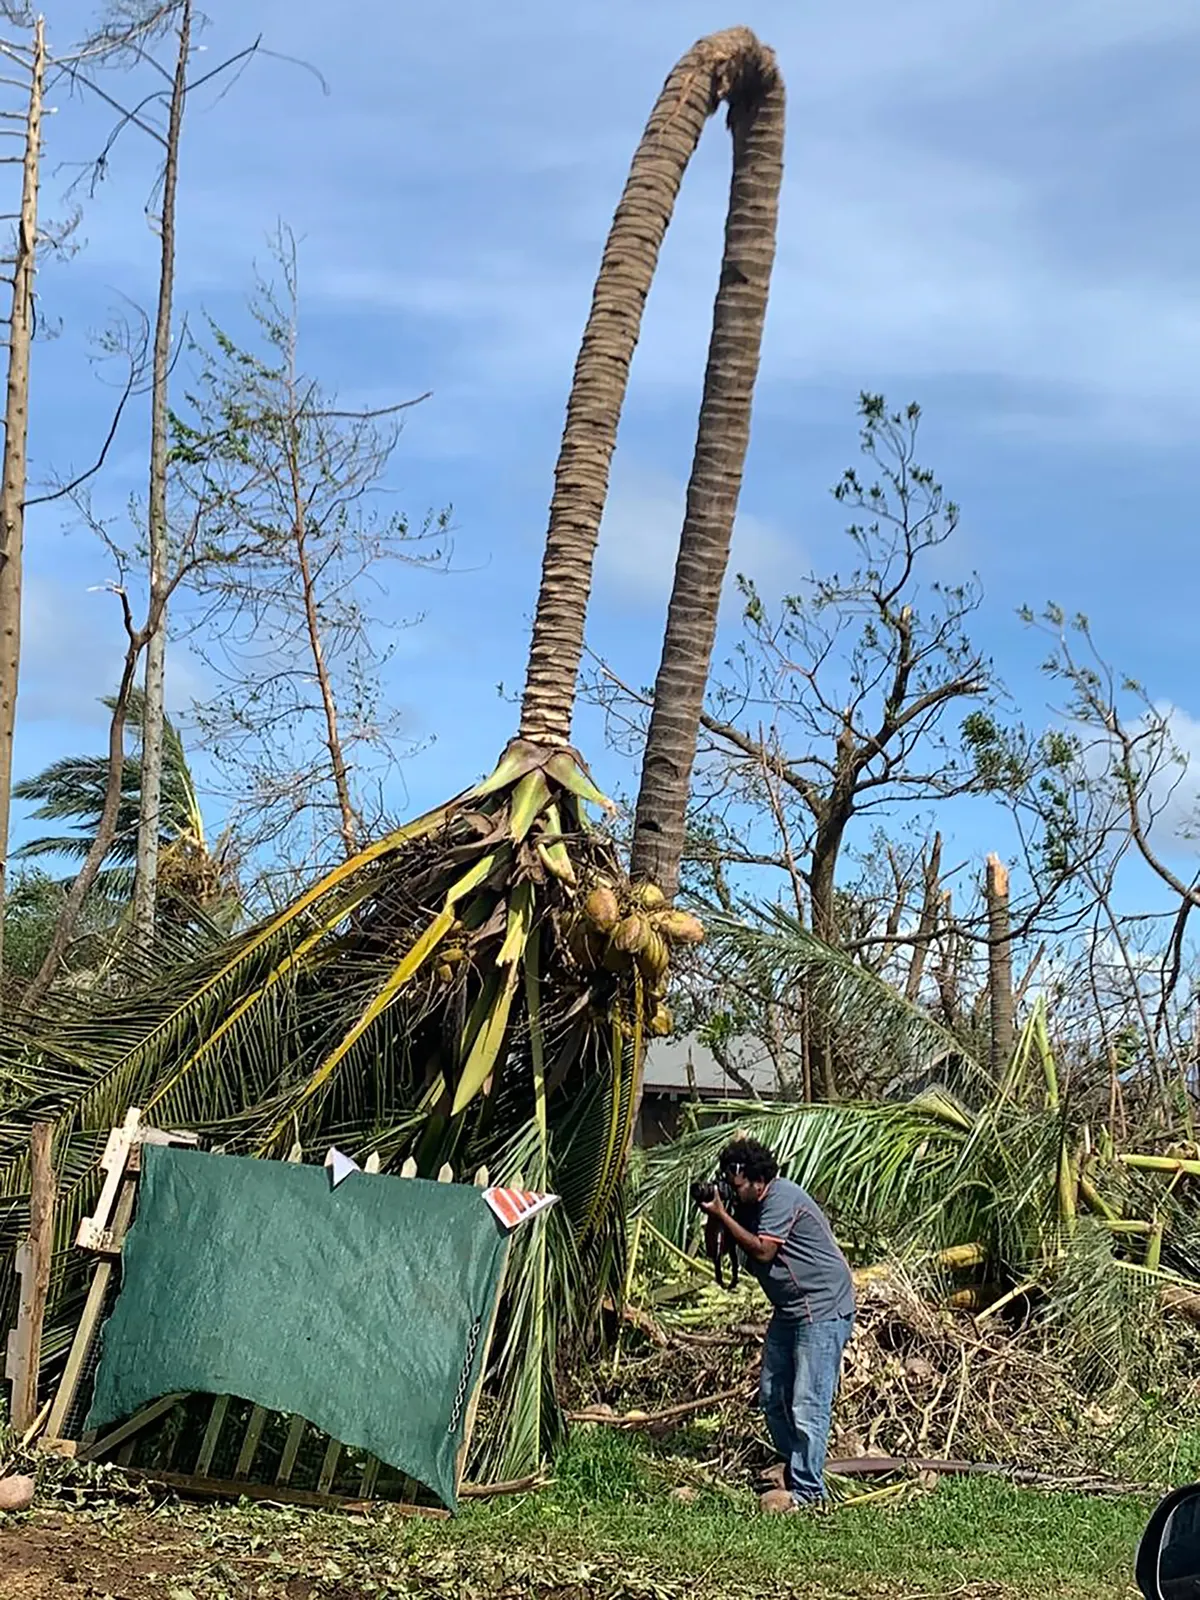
(72,791)
(476,986)
(756,118)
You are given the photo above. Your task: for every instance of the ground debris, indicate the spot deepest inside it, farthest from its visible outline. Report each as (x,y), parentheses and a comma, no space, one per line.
(920,1381)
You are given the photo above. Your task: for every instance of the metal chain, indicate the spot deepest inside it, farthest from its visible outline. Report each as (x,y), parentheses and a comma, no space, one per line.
(464,1382)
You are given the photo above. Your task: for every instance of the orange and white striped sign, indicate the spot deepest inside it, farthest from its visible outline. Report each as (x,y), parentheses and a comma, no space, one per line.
(512,1207)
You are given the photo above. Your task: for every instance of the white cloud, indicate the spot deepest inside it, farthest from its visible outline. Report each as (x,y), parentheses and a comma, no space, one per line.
(466,198)
(72,650)
(1175,791)
(639,541)
(901,256)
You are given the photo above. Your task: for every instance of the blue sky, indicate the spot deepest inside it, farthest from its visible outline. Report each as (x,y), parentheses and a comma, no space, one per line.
(982,211)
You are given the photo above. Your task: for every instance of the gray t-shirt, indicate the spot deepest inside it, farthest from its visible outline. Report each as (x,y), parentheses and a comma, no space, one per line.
(808,1279)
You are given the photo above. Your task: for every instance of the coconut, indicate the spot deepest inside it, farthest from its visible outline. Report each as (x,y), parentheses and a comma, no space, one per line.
(631,934)
(601,909)
(680,927)
(649,896)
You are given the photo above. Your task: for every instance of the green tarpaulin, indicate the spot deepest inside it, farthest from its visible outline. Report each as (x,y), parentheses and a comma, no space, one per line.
(364,1308)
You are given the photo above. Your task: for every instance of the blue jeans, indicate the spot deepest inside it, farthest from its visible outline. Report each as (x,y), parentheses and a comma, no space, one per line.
(801,1366)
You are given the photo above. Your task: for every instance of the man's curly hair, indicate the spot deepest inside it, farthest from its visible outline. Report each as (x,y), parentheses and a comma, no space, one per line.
(752,1159)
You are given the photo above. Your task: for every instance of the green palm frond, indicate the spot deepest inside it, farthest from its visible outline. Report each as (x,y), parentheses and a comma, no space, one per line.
(72,790)
(898,1041)
(440,995)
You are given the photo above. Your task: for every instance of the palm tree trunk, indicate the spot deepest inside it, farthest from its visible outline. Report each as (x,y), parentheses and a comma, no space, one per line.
(709,72)
(16,430)
(756,119)
(145,891)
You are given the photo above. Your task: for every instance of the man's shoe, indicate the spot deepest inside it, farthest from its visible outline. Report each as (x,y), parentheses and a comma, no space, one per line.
(777,1503)
(774,1477)
(815,1508)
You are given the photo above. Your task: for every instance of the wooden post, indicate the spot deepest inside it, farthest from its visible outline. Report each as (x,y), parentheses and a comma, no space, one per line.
(33,1263)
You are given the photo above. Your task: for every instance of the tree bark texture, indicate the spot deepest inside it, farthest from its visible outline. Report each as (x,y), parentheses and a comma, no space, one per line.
(1000,980)
(16,433)
(756,120)
(692,92)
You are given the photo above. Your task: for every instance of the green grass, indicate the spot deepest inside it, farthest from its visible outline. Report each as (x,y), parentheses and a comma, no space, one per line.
(969,1532)
(607,1528)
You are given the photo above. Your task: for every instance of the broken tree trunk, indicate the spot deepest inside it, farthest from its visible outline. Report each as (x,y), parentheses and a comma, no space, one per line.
(33,1265)
(16,431)
(1000,984)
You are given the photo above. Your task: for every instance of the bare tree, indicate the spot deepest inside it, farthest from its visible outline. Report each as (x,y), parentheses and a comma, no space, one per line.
(30,64)
(288,631)
(834,709)
(127,38)
(146,879)
(1106,797)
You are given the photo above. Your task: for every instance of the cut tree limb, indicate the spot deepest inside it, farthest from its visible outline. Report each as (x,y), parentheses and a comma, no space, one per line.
(880,1466)
(656,1419)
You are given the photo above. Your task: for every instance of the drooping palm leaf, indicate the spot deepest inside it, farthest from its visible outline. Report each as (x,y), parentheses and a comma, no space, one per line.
(898,1041)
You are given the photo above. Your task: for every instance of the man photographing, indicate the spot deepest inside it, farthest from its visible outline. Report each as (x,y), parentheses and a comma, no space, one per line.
(789,1247)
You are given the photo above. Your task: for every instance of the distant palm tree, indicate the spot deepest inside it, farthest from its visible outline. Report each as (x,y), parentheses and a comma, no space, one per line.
(72,790)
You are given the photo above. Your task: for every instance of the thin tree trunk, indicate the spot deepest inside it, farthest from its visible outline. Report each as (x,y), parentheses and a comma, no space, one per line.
(946,974)
(33,1263)
(1000,983)
(690,95)
(145,892)
(756,119)
(16,433)
(349,824)
(826,849)
(106,831)
(927,924)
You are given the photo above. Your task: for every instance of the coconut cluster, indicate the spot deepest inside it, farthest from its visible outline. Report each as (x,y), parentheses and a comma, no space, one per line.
(620,928)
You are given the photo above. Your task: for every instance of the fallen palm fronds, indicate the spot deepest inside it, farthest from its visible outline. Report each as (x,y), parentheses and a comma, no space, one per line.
(925,1389)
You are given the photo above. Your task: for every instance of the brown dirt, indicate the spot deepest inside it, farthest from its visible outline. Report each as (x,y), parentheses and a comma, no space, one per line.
(53,1556)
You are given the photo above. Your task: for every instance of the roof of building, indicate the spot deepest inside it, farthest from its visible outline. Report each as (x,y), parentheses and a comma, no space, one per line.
(667,1070)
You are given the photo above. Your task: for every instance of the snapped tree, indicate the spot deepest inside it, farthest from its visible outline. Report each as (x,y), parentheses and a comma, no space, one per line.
(30,62)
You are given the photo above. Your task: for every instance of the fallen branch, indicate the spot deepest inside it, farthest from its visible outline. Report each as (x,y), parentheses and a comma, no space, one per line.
(487,1491)
(879,1466)
(656,1419)
(642,1321)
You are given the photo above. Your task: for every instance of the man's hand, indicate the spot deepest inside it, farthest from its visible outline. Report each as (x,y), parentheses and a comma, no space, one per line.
(758,1249)
(715,1208)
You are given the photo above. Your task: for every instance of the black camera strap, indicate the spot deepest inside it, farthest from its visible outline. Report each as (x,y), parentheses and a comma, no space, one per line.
(718,1244)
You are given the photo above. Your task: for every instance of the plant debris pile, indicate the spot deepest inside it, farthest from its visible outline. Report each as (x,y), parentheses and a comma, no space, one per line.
(921,1382)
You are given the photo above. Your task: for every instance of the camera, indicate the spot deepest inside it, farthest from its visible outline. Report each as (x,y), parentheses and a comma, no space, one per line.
(703,1194)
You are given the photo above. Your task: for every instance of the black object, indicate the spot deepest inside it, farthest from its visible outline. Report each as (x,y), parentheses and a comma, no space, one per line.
(705,1193)
(717,1243)
(1168,1558)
